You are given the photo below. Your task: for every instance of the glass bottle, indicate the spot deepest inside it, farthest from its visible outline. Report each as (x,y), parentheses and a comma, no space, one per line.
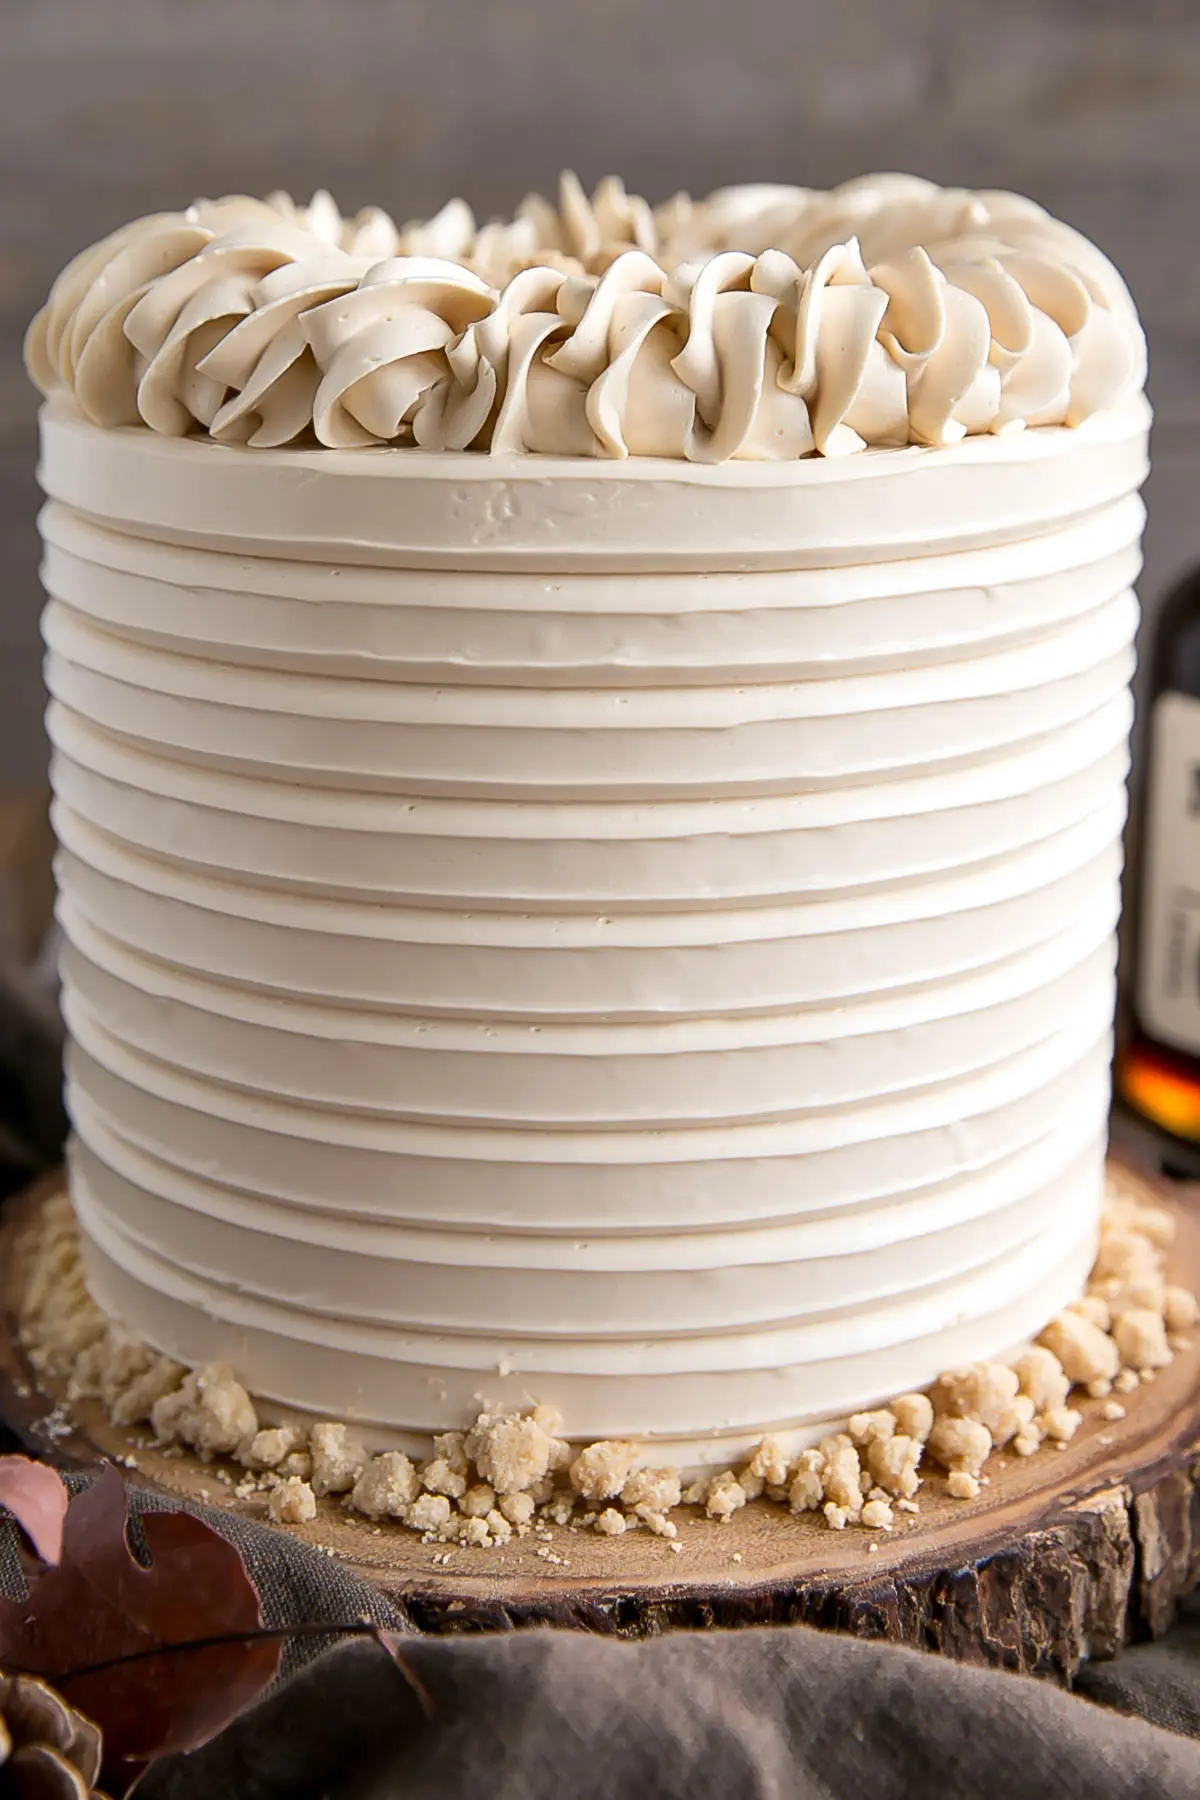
(1158,1071)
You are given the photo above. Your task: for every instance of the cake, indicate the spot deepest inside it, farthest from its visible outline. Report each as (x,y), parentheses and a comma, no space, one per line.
(589,761)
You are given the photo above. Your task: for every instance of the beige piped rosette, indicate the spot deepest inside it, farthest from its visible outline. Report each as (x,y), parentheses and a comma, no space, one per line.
(760,324)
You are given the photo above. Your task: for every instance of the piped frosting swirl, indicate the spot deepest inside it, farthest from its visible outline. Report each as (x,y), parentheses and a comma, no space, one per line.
(763,323)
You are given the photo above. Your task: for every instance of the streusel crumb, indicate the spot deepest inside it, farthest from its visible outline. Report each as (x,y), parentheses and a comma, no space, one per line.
(516,1508)
(807,1490)
(987,1393)
(841,1477)
(658,1489)
(1180,1311)
(510,1451)
(271,1446)
(725,1496)
(1084,1351)
(1094,1308)
(1129,1258)
(960,1445)
(478,1501)
(450,1447)
(338,1458)
(125,1375)
(440,1477)
(868,1427)
(429,1512)
(1060,1423)
(752,1485)
(894,1462)
(914,1415)
(560,1508)
(657,1522)
(386,1487)
(499,1527)
(1125,1212)
(1042,1377)
(291,1502)
(1141,1338)
(770,1462)
(561,1453)
(601,1471)
(211,1412)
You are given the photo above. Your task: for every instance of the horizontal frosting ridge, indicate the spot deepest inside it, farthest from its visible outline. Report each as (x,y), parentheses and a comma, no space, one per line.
(537,950)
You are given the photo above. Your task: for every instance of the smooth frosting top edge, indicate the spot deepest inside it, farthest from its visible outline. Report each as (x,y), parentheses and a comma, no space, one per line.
(760,324)
(406,509)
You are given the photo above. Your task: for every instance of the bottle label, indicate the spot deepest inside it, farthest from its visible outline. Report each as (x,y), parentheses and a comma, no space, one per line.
(1168,999)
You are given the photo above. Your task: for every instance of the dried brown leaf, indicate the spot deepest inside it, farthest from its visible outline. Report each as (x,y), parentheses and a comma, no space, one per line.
(119,1639)
(37,1500)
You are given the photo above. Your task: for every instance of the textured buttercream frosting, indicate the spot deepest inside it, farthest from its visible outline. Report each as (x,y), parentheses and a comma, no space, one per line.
(761,324)
(634,933)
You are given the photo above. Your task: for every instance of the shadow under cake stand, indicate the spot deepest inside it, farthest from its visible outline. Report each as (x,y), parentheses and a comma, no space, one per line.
(1064,1555)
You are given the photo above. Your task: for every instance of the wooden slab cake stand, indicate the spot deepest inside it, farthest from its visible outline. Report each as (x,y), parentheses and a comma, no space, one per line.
(1065,1555)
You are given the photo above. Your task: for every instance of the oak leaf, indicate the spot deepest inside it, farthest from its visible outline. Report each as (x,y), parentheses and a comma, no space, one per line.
(161,1657)
(37,1500)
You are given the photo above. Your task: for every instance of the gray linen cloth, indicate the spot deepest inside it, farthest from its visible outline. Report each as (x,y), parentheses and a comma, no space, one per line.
(773,1714)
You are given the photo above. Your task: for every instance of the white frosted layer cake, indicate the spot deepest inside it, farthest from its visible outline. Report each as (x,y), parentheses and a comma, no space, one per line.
(629,932)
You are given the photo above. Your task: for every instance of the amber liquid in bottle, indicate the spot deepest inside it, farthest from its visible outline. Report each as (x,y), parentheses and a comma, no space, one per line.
(1158,1073)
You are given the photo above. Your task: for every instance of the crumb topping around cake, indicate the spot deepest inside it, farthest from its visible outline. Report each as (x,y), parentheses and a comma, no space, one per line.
(761,323)
(511,1473)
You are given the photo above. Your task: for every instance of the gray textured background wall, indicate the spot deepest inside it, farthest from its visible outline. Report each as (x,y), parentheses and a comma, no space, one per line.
(113,107)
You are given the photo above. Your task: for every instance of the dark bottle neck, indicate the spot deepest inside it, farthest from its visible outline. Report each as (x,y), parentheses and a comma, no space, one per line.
(1176,661)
